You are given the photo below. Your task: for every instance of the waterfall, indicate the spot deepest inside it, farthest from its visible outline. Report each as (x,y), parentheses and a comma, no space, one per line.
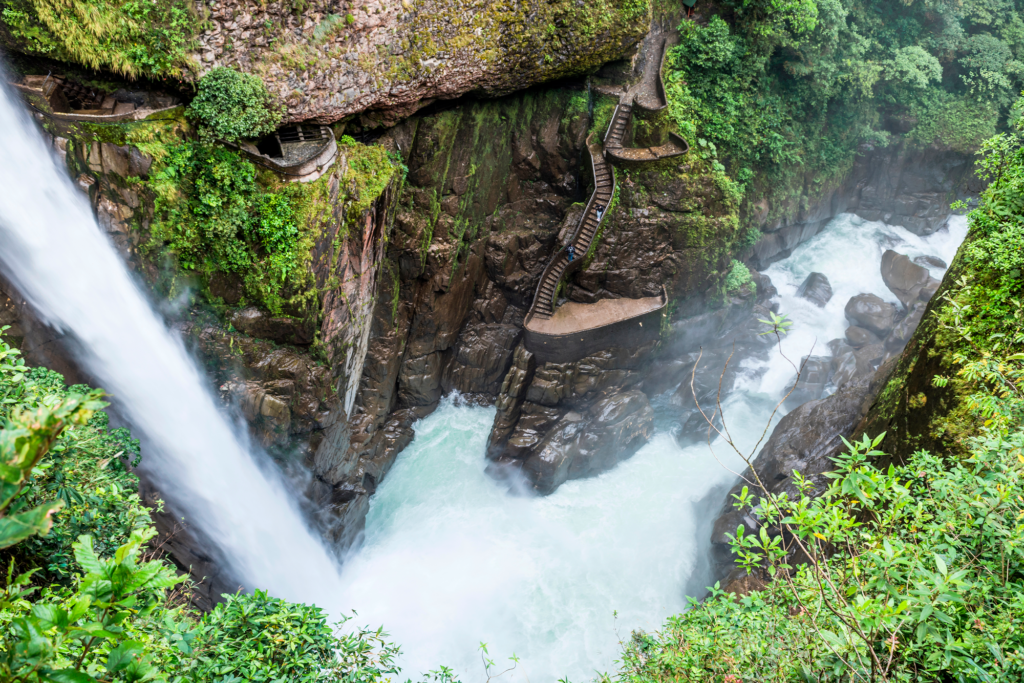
(54,251)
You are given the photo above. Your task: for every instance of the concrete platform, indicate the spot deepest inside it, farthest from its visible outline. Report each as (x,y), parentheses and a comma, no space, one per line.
(573,317)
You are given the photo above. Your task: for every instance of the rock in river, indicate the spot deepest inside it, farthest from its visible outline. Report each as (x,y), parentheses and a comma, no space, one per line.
(817,289)
(578,447)
(903,277)
(871,313)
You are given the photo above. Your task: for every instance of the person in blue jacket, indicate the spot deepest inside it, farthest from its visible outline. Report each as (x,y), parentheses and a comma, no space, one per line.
(571,251)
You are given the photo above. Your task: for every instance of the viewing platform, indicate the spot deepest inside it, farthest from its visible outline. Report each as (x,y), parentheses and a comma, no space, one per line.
(576,330)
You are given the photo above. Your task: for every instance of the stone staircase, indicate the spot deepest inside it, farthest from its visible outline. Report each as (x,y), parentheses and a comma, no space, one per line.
(560,266)
(650,92)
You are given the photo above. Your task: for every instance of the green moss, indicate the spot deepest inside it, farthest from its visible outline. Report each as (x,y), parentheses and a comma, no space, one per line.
(131,37)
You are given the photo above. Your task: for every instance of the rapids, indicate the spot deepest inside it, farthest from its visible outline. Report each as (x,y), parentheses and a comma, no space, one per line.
(450,559)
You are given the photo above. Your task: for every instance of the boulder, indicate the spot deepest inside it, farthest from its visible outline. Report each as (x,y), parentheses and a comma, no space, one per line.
(584,445)
(816,289)
(904,329)
(868,359)
(872,313)
(810,385)
(858,337)
(844,368)
(931,262)
(903,277)
(928,291)
(838,347)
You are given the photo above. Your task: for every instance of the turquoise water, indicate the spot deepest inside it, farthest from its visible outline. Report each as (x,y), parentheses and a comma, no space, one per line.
(452,558)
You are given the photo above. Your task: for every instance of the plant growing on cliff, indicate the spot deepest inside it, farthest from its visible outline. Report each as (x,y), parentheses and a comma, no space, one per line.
(131,37)
(215,217)
(230,105)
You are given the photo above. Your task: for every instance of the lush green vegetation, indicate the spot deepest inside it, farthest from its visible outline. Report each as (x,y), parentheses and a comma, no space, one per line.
(131,37)
(90,600)
(913,571)
(216,212)
(786,91)
(230,105)
(214,216)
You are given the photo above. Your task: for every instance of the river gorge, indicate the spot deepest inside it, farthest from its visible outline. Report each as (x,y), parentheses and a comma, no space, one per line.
(471,323)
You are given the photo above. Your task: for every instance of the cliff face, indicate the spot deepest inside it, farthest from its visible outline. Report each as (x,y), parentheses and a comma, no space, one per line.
(327,60)
(391,57)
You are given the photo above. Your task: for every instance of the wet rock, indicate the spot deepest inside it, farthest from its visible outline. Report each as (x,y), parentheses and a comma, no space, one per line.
(817,289)
(929,261)
(928,291)
(256,323)
(904,329)
(814,375)
(805,440)
(903,277)
(868,359)
(481,358)
(838,347)
(579,447)
(844,367)
(858,337)
(419,382)
(872,313)
(766,290)
(510,401)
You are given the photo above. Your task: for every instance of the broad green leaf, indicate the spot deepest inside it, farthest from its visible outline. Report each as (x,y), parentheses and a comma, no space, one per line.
(123,655)
(86,556)
(68,676)
(18,527)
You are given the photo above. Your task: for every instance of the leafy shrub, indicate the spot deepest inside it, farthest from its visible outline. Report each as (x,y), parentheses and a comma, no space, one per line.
(230,105)
(927,585)
(953,121)
(739,275)
(215,217)
(260,638)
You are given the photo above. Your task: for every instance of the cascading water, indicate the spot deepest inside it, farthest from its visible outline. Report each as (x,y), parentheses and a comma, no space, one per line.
(450,559)
(51,246)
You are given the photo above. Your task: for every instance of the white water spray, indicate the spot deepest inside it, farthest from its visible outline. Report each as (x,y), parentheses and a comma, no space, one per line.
(52,248)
